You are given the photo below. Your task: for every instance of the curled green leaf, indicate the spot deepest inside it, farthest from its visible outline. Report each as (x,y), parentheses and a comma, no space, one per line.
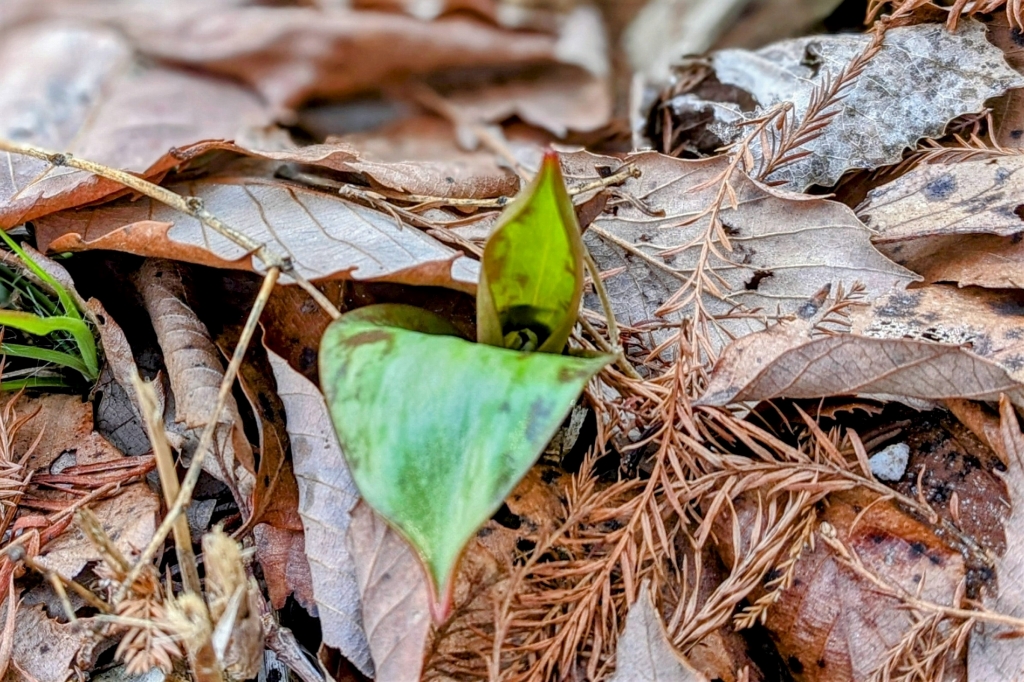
(531,274)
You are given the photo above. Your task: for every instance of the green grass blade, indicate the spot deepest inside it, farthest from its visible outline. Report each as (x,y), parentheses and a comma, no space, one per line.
(44,354)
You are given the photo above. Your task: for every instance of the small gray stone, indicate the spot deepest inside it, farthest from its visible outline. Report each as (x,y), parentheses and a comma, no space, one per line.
(890,463)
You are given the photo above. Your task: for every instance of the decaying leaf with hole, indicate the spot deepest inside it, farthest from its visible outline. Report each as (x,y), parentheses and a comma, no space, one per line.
(109,108)
(325,235)
(644,652)
(763,259)
(883,112)
(954,222)
(327,496)
(995,653)
(395,596)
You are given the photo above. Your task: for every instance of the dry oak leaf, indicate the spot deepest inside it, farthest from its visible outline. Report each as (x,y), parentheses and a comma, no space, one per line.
(923,77)
(293,54)
(956,222)
(327,496)
(325,235)
(84,92)
(395,596)
(791,361)
(991,656)
(784,247)
(833,625)
(644,652)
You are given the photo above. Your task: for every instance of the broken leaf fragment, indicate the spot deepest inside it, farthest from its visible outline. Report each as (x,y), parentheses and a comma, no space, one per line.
(438,430)
(531,276)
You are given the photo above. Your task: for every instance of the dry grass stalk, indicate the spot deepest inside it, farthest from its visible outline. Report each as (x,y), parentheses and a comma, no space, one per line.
(149,639)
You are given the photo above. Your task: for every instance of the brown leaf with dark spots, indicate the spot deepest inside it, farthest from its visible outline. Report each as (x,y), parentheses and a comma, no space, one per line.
(927,344)
(833,625)
(993,655)
(325,235)
(784,247)
(84,92)
(954,222)
(293,324)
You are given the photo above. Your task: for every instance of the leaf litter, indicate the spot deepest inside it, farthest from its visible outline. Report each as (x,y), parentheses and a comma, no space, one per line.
(714,496)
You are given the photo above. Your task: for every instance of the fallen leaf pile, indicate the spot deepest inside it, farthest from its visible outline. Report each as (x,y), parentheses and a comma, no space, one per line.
(796,454)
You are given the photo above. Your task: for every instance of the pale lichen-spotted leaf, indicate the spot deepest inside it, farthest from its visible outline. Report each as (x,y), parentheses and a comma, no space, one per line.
(644,652)
(395,596)
(437,431)
(327,496)
(953,222)
(325,235)
(785,247)
(108,108)
(531,273)
(991,656)
(923,77)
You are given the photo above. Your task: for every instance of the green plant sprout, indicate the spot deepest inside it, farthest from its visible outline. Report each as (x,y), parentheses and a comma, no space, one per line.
(438,430)
(59,322)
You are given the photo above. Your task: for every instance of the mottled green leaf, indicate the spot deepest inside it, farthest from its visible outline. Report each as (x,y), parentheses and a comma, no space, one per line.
(438,430)
(531,274)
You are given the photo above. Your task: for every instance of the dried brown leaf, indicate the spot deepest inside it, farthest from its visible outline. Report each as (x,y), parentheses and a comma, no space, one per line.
(644,653)
(782,247)
(992,657)
(85,93)
(44,648)
(1008,110)
(69,439)
(394,593)
(195,372)
(417,156)
(325,235)
(934,343)
(832,625)
(327,496)
(293,54)
(953,222)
